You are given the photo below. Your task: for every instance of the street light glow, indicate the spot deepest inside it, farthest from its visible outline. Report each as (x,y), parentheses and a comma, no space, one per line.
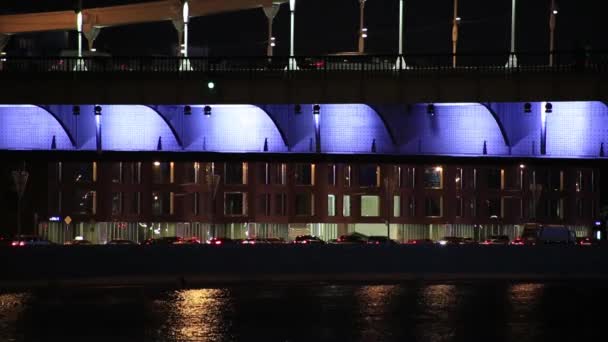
(211,85)
(555,12)
(156,163)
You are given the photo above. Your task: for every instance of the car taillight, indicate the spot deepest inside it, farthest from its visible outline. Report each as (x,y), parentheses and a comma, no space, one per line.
(304,241)
(21,243)
(15,243)
(218,242)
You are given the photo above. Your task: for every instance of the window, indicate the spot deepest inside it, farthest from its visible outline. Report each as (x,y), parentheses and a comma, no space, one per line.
(264,174)
(191,175)
(58,172)
(264,204)
(433,177)
(195,203)
(474,206)
(580,208)
(331,174)
(235,173)
(513,178)
(81,172)
(85,202)
(116,203)
(512,207)
(458,179)
(304,174)
(116,172)
(396,206)
(331,205)
(494,208)
(161,203)
(411,207)
(407,177)
(235,204)
(133,172)
(581,181)
(346,206)
(369,175)
(280,202)
(494,179)
(370,206)
(458,207)
(136,203)
(555,208)
(304,204)
(347,176)
(161,172)
(552,180)
(275,174)
(433,207)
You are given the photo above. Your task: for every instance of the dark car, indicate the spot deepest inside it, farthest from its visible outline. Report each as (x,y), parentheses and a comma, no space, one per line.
(30,240)
(497,240)
(421,242)
(188,241)
(451,241)
(78,243)
(121,242)
(169,240)
(5,241)
(308,240)
(275,241)
(380,240)
(254,241)
(351,240)
(220,241)
(587,241)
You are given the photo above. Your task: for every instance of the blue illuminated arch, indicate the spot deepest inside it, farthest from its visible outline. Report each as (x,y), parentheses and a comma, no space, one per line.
(353,128)
(177,137)
(30,127)
(503,131)
(136,128)
(232,128)
(455,129)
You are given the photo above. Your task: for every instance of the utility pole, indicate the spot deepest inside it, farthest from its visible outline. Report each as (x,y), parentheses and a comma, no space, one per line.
(552,20)
(455,33)
(362,29)
(512,61)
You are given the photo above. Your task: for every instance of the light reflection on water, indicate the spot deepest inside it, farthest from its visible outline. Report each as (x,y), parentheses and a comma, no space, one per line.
(492,311)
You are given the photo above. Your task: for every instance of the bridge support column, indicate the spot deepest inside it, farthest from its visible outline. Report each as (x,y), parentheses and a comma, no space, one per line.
(362,29)
(512,62)
(292,61)
(400,64)
(271,13)
(91,34)
(3,41)
(181,26)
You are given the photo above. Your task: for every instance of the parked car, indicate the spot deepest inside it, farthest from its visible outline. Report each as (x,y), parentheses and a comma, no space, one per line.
(517,242)
(188,241)
(254,241)
(420,242)
(78,243)
(275,241)
(220,241)
(308,240)
(121,242)
(5,241)
(451,241)
(30,240)
(380,240)
(587,241)
(351,240)
(497,240)
(169,240)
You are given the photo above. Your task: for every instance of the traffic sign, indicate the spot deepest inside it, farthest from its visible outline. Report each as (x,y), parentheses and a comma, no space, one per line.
(67,220)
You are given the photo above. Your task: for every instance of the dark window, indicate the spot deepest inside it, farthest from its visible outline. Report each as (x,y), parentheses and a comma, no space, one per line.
(133,172)
(580,208)
(433,177)
(493,207)
(432,207)
(195,203)
(304,174)
(270,173)
(117,203)
(80,172)
(369,175)
(458,178)
(331,174)
(514,178)
(411,207)
(264,204)
(235,204)
(458,207)
(494,182)
(304,204)
(581,182)
(280,204)
(553,208)
(191,174)
(116,171)
(54,202)
(161,203)
(135,203)
(235,173)
(512,207)
(347,175)
(84,202)
(474,207)
(161,172)
(551,179)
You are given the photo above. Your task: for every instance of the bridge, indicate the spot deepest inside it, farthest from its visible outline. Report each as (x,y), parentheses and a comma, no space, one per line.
(323,79)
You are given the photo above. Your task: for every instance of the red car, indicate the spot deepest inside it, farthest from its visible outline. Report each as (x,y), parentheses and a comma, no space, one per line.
(420,242)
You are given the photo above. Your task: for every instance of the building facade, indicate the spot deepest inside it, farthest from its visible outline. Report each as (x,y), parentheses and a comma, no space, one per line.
(240,199)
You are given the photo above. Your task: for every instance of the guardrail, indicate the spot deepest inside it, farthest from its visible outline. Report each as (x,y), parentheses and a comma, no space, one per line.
(527,62)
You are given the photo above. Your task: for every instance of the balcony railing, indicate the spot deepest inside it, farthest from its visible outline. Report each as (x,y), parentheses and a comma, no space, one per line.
(526,62)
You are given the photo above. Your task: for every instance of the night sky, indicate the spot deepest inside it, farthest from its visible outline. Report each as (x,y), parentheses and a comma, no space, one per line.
(329,26)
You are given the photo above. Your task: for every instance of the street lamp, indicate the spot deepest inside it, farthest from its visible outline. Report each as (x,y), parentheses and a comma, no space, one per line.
(400,60)
(362,29)
(552,20)
(455,23)
(512,61)
(292,61)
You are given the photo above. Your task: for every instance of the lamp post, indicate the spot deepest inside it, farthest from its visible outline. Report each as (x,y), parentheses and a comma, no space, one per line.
(512,61)
(362,29)
(455,21)
(292,61)
(271,12)
(552,20)
(185,64)
(401,60)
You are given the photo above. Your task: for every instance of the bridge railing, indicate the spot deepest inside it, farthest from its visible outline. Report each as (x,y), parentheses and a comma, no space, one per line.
(528,62)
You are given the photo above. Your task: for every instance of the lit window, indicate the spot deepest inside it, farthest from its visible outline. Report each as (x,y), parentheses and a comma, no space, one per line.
(433,177)
(370,206)
(331,205)
(396,206)
(346,206)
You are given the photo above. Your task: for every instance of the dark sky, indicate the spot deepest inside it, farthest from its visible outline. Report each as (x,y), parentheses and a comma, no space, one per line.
(326,26)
